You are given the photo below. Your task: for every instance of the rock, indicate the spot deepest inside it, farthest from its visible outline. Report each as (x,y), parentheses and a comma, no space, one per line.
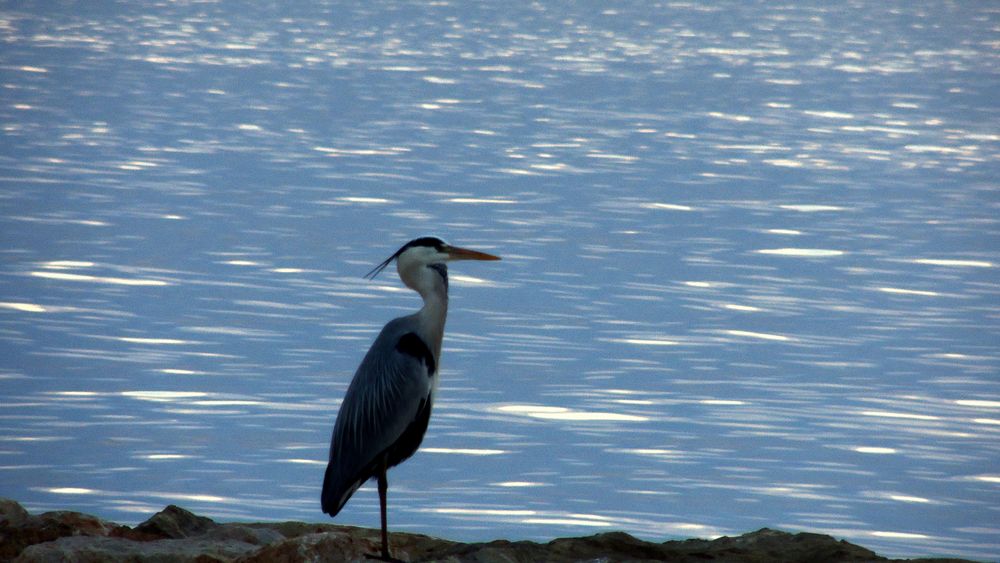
(630,548)
(252,535)
(12,514)
(498,551)
(329,546)
(176,535)
(171,535)
(346,543)
(173,522)
(775,546)
(764,546)
(18,529)
(100,550)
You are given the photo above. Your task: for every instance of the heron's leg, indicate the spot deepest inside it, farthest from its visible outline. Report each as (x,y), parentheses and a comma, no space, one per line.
(383,488)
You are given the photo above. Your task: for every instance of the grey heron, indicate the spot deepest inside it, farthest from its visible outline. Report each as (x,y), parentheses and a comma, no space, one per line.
(387,406)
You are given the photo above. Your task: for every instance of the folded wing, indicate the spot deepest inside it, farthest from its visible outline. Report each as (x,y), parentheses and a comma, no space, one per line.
(384,414)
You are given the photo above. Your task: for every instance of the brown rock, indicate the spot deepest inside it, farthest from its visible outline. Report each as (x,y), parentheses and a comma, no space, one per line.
(12,514)
(18,529)
(346,543)
(624,546)
(498,551)
(176,535)
(81,549)
(773,546)
(319,548)
(173,522)
(252,535)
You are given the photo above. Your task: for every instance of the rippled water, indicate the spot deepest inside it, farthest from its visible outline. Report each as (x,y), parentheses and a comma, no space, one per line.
(749,278)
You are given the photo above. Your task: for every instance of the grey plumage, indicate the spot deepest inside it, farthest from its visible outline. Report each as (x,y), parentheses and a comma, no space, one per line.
(388,404)
(389,398)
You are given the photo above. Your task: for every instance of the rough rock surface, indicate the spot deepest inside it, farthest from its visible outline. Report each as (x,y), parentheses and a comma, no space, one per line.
(176,535)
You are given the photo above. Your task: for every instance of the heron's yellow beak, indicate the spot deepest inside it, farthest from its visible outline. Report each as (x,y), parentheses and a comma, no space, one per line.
(456,253)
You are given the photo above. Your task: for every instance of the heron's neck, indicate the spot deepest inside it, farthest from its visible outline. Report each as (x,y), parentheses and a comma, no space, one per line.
(431,282)
(432,318)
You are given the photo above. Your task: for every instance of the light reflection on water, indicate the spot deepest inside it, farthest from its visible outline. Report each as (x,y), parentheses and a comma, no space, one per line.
(749,271)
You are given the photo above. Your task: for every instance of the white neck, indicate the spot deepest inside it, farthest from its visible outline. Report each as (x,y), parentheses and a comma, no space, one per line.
(434,291)
(432,318)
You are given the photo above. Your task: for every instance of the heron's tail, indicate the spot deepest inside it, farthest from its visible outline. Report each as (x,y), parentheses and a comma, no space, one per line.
(336,489)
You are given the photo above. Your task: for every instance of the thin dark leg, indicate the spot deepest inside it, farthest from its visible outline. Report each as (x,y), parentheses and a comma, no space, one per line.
(383,487)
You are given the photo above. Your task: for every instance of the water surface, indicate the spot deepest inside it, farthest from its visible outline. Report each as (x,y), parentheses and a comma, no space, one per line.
(749,277)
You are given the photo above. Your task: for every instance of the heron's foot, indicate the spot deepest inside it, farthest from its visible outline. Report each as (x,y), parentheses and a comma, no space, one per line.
(384,557)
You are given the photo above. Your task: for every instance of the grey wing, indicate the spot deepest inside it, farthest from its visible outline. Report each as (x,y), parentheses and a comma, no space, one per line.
(383,416)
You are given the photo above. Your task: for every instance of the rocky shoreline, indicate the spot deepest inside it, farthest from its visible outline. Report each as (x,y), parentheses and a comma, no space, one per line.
(177,535)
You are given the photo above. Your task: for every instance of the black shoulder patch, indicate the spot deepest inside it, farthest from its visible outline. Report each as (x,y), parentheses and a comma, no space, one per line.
(412,345)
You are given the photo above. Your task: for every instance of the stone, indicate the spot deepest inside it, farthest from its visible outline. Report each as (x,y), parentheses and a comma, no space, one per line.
(18,529)
(80,549)
(777,546)
(320,547)
(253,535)
(175,535)
(12,514)
(173,522)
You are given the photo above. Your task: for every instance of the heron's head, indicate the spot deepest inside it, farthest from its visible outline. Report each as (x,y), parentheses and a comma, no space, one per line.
(424,252)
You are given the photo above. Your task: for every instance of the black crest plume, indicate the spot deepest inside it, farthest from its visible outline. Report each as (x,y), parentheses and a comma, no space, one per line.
(432,242)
